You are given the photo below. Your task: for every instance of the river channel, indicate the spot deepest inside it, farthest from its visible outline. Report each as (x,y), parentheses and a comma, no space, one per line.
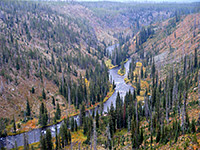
(34,135)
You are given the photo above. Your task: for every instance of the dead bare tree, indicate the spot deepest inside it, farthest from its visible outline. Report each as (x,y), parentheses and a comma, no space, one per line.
(129,123)
(108,135)
(166,104)
(184,112)
(69,96)
(185,65)
(199,88)
(2,88)
(136,112)
(179,107)
(95,135)
(76,95)
(79,146)
(62,79)
(146,105)
(71,146)
(194,27)
(26,145)
(182,120)
(198,25)
(184,106)
(174,95)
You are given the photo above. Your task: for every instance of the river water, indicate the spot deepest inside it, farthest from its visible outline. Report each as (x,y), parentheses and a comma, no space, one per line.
(34,135)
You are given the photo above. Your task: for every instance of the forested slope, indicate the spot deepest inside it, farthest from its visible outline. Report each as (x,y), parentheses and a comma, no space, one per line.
(52,54)
(44,57)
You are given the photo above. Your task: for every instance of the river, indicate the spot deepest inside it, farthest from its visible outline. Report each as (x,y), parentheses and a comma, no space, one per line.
(34,135)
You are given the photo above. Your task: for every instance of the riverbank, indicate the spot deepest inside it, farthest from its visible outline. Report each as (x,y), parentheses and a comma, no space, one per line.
(33,124)
(110,65)
(144,81)
(120,71)
(34,134)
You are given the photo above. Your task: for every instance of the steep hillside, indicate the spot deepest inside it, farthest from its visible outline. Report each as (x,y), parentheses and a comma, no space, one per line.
(86,15)
(169,42)
(44,54)
(170,54)
(52,54)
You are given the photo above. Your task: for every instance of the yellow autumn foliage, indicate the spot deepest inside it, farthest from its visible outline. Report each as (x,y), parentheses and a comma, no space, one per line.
(109,64)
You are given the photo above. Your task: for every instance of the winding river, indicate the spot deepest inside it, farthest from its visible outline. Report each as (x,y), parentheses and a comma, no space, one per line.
(34,135)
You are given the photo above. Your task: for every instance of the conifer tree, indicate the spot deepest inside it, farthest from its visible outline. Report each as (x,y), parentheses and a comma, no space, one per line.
(56,142)
(43,94)
(82,114)
(53,101)
(14,125)
(153,69)
(43,115)
(49,140)
(76,125)
(193,128)
(97,119)
(42,142)
(112,122)
(141,72)
(33,90)
(72,124)
(58,112)
(28,109)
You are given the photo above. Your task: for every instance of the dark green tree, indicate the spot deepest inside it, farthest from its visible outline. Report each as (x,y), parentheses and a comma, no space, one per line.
(43,142)
(142,74)
(158,135)
(33,90)
(76,125)
(56,142)
(112,122)
(58,112)
(195,58)
(153,69)
(82,114)
(69,137)
(14,125)
(193,128)
(97,119)
(49,140)
(17,63)
(138,88)
(43,115)
(53,101)
(28,109)
(72,124)
(43,94)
